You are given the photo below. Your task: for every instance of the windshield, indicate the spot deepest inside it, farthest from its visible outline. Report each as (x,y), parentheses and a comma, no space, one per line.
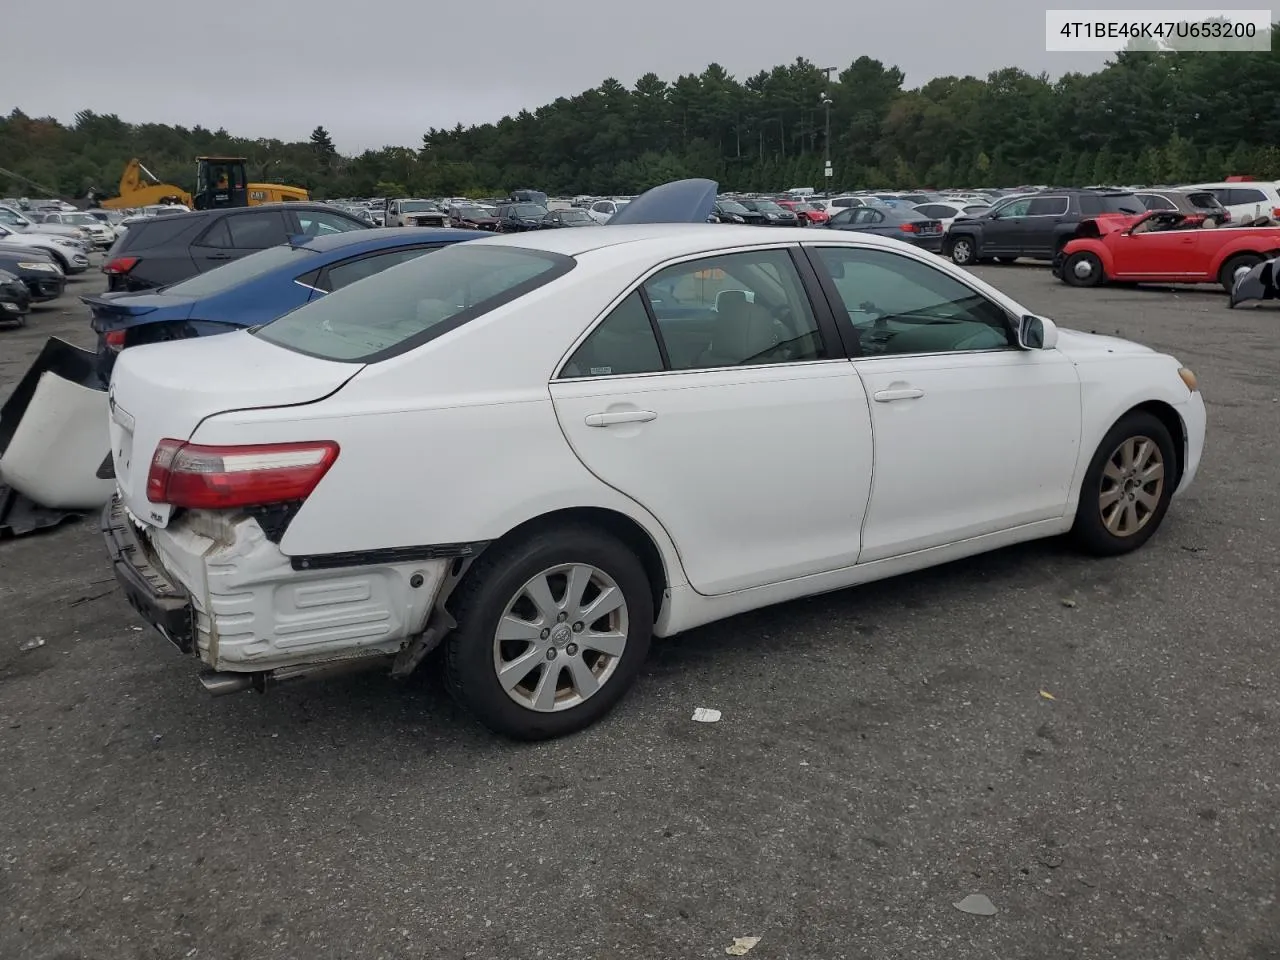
(414,206)
(236,272)
(575,215)
(528,210)
(768,206)
(413,302)
(729,206)
(83,218)
(473,212)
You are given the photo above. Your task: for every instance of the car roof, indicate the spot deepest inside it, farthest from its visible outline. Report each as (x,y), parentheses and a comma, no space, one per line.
(678,239)
(377,237)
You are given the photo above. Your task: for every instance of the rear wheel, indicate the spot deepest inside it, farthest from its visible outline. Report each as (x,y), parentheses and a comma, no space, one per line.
(1237,267)
(552,631)
(1082,269)
(1128,486)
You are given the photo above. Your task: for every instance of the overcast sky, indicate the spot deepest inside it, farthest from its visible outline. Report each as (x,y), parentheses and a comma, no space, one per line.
(377,72)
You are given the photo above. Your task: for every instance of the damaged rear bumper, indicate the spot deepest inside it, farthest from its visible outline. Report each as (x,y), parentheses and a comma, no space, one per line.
(217,587)
(156,598)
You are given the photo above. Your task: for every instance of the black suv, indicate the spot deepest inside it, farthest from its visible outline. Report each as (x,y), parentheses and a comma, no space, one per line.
(1035,226)
(158,251)
(519,217)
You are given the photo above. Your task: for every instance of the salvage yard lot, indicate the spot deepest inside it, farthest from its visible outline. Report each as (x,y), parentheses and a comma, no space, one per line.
(1091,744)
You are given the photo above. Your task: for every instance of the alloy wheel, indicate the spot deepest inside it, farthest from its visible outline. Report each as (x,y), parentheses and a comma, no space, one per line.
(561,637)
(1132,484)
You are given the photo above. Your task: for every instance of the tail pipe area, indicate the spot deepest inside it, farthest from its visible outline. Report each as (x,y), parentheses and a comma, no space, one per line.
(221,683)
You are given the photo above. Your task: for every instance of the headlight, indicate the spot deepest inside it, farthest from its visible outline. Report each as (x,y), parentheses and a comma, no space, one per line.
(1189,379)
(39,265)
(771,216)
(736,218)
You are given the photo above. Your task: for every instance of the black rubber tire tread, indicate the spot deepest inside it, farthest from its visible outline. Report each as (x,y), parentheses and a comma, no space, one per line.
(1068,274)
(1088,531)
(480,599)
(1226,276)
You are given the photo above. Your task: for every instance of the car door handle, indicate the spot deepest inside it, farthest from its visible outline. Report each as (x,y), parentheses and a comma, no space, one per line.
(218,256)
(903,393)
(622,416)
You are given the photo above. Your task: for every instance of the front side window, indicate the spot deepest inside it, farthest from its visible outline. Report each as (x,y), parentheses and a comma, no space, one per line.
(733,310)
(1015,208)
(899,305)
(414,302)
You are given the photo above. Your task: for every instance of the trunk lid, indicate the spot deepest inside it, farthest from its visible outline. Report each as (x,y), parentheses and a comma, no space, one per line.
(116,311)
(164,391)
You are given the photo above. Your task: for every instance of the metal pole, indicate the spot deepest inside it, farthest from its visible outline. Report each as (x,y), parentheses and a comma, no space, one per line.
(828,174)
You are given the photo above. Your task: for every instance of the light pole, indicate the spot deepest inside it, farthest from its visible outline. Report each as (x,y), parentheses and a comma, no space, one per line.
(827,173)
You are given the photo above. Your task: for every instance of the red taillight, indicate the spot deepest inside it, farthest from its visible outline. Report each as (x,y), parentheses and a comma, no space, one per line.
(114,339)
(908,228)
(216,478)
(1275,213)
(120,265)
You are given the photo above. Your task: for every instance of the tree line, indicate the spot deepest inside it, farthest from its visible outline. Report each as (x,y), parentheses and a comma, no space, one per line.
(1145,117)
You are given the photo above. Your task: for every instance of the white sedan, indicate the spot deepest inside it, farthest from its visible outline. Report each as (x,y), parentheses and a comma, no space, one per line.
(543,449)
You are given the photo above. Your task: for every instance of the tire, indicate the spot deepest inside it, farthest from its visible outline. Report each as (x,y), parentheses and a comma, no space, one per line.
(1104,526)
(1240,262)
(961,251)
(496,585)
(1087,262)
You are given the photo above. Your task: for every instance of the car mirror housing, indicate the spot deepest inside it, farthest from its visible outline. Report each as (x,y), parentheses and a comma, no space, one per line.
(1037,333)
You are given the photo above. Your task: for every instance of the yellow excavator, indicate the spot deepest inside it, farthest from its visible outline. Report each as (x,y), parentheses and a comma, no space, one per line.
(220,182)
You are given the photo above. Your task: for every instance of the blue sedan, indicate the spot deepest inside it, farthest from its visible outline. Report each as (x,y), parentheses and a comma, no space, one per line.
(254,289)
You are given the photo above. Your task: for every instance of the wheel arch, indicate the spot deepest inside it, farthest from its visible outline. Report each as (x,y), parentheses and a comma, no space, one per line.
(1220,260)
(612,522)
(1089,245)
(1172,420)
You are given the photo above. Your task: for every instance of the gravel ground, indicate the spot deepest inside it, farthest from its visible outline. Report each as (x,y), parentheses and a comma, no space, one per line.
(884,752)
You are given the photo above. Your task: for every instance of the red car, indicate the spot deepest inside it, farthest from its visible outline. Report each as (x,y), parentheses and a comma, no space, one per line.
(1163,247)
(807,212)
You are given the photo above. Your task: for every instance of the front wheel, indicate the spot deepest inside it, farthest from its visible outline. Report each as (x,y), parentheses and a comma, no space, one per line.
(1082,269)
(1127,487)
(1237,267)
(961,252)
(552,631)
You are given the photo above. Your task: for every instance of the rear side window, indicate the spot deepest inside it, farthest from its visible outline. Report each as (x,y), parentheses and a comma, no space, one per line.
(256,231)
(1048,206)
(1153,202)
(1120,203)
(1204,199)
(623,344)
(151,232)
(414,302)
(1237,195)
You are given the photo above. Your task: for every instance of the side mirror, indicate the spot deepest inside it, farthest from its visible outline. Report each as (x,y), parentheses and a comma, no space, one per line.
(1037,333)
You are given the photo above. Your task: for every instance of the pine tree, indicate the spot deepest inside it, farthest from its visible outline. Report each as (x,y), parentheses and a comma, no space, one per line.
(323,146)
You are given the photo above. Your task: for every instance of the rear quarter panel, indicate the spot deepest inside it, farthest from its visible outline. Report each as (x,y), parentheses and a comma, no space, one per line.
(455,441)
(1264,242)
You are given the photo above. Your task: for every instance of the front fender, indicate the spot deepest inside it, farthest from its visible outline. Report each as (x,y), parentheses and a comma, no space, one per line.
(1091,245)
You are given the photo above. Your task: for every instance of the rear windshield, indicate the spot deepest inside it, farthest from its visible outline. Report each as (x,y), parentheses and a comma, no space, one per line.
(251,267)
(1204,200)
(414,302)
